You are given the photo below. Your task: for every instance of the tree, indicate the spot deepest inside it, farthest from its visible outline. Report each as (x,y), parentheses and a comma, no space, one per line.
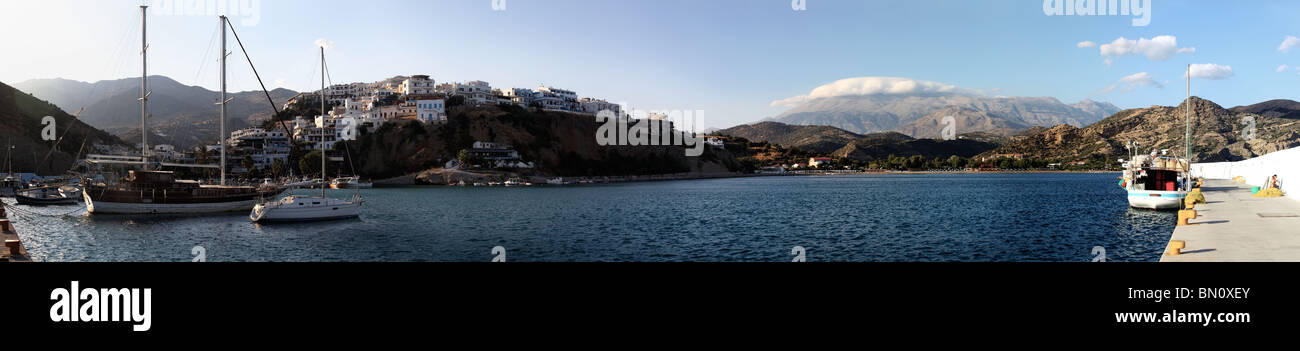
(310,164)
(248,163)
(955,161)
(278,167)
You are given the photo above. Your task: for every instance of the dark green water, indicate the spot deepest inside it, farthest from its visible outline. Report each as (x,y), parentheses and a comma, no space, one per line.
(958,217)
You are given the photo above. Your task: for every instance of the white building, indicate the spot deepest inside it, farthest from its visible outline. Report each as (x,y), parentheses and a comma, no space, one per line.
(476,92)
(552,98)
(431,111)
(417,85)
(594,106)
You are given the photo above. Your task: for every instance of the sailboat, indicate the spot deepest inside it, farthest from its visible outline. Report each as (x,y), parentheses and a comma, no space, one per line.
(10,184)
(1159,181)
(147,191)
(310,208)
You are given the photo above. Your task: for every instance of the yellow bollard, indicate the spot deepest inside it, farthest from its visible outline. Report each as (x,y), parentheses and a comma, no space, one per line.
(1176,247)
(1186,215)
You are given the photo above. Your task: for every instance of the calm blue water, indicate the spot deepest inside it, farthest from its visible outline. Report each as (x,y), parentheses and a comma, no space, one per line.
(961,217)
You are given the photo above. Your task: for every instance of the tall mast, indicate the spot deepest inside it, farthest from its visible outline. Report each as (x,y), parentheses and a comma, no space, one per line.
(144,87)
(1189,117)
(322,122)
(221,138)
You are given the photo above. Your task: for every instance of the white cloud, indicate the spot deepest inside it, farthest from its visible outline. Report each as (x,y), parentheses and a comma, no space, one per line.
(1289,43)
(1140,79)
(1187,50)
(871,86)
(1210,71)
(1159,48)
(327,44)
(1085,44)
(1281,68)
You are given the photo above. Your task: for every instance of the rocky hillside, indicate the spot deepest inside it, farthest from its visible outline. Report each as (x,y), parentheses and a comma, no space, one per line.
(868,149)
(20,123)
(877,113)
(821,139)
(1217,134)
(557,143)
(840,143)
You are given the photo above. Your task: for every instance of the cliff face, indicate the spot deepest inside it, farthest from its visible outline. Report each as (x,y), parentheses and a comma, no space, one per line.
(1218,134)
(557,143)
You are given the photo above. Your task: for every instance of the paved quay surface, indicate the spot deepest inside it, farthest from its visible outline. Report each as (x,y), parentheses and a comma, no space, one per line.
(1237,227)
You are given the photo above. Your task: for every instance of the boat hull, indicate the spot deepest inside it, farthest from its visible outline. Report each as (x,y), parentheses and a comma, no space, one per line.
(109,207)
(33,201)
(276,214)
(1156,200)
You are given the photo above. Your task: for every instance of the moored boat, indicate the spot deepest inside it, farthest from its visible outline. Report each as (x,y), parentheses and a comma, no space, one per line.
(44,196)
(310,208)
(159,192)
(350,183)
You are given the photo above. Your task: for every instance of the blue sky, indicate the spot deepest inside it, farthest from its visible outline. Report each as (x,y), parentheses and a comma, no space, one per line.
(730,58)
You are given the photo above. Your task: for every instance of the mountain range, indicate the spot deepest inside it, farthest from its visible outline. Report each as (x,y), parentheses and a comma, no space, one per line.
(182,115)
(921,115)
(1218,134)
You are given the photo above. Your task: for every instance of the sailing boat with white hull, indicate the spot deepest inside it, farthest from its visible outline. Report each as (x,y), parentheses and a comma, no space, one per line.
(148,191)
(310,208)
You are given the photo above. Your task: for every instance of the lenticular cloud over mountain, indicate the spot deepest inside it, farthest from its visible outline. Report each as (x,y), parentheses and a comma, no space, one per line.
(871,86)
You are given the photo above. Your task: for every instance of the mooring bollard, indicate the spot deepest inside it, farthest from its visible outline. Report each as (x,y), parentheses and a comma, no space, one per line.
(1176,247)
(13,246)
(1184,216)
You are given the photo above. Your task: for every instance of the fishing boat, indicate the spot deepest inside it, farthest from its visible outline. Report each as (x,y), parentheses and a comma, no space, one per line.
(44,196)
(309,208)
(149,191)
(350,183)
(1155,182)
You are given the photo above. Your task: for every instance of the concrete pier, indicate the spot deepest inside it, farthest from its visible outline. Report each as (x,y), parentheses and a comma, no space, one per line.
(1234,226)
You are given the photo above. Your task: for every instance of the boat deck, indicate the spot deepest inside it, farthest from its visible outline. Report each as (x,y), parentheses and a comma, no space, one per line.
(7,233)
(1234,226)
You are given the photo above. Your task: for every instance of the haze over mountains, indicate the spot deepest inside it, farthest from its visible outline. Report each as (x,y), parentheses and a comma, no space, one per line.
(182,115)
